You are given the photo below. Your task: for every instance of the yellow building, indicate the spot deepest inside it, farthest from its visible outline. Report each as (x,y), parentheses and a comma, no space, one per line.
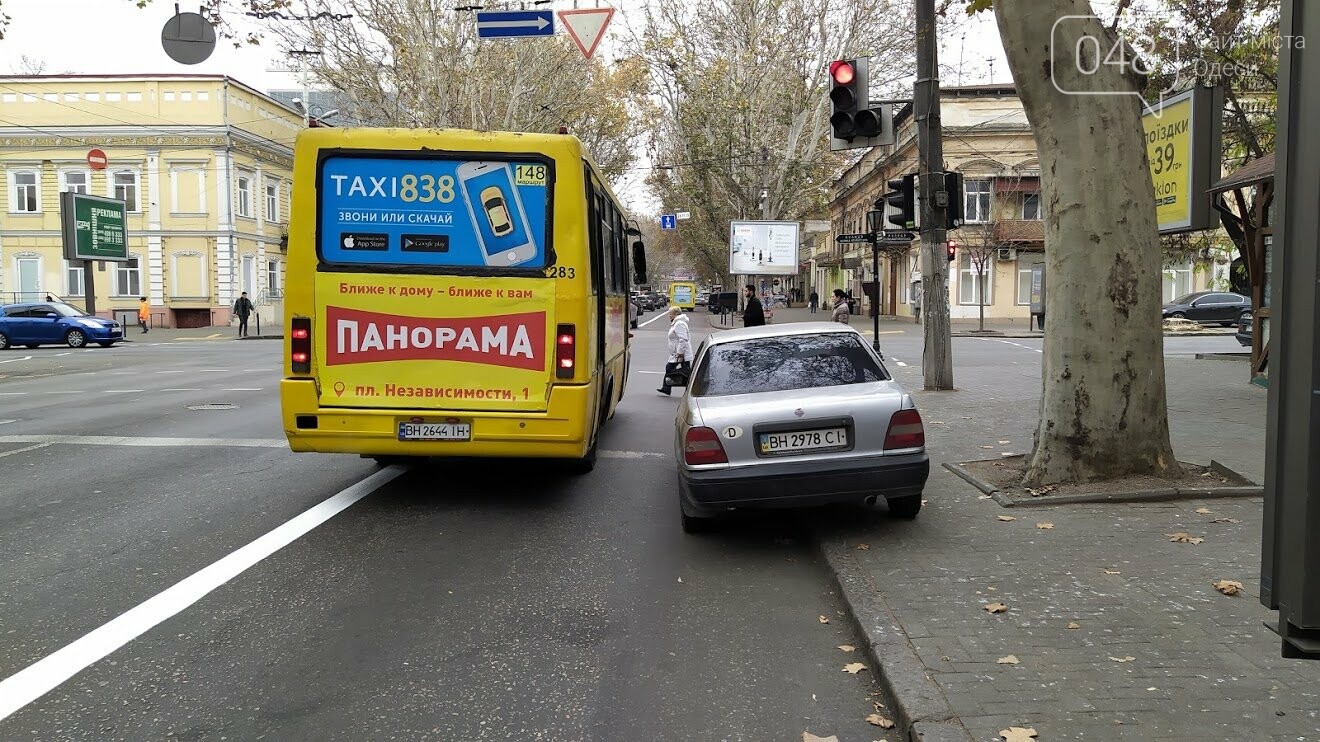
(203,163)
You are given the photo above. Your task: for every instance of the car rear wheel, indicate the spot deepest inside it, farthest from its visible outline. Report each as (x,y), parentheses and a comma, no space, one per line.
(1178,315)
(905,507)
(76,339)
(4,341)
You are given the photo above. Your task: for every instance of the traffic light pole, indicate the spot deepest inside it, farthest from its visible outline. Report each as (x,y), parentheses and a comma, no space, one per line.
(937,358)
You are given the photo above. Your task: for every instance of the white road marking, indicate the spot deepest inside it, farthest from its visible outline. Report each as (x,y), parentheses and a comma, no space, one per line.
(650,372)
(631,455)
(6,422)
(12,394)
(214,370)
(48,673)
(65,353)
(1010,342)
(184,389)
(11,360)
(243,389)
(173,371)
(25,448)
(649,321)
(145,442)
(66,391)
(123,391)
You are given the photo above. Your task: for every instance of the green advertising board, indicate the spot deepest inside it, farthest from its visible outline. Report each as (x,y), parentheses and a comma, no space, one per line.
(95,228)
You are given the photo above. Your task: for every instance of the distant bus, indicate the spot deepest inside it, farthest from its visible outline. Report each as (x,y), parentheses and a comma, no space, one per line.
(683,294)
(453,293)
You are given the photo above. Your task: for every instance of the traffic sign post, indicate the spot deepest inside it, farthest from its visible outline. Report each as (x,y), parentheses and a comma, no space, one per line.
(668,221)
(515,24)
(93,228)
(97,160)
(586,27)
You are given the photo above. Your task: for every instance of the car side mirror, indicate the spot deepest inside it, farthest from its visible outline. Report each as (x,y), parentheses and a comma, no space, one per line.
(52,315)
(639,262)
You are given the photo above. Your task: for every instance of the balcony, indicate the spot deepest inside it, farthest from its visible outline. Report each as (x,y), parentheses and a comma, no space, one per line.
(1019,231)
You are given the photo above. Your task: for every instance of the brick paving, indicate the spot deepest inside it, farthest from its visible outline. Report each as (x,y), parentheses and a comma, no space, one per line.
(1203,666)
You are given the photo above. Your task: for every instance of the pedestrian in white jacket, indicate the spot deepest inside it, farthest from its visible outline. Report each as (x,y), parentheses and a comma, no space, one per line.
(680,346)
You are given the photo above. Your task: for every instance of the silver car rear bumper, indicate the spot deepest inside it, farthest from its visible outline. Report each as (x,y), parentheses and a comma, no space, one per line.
(787,484)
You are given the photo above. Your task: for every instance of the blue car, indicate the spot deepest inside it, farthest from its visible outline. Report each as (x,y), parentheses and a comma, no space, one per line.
(54,323)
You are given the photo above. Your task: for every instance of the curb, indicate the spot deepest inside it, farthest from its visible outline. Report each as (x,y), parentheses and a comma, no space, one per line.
(1156,495)
(262,337)
(922,708)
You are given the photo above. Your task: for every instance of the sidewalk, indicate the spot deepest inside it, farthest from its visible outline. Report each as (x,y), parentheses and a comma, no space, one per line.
(1112,631)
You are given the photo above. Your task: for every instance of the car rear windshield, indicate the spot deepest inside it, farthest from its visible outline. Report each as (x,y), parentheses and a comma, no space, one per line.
(779,364)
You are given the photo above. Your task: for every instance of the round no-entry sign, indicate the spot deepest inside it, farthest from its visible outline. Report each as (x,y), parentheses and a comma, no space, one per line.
(97,159)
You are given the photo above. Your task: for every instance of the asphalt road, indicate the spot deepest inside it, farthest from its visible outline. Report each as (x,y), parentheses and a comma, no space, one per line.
(457,601)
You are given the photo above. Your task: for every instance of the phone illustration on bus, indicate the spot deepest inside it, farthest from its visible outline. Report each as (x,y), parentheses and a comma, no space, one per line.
(499,222)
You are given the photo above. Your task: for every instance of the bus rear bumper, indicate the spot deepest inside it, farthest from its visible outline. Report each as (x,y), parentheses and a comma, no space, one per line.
(561,431)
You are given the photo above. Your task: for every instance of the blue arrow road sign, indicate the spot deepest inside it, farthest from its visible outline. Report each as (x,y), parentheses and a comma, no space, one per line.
(668,221)
(506,24)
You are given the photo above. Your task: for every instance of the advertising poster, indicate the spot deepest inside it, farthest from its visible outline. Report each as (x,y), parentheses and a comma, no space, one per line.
(1183,139)
(434,341)
(433,212)
(763,248)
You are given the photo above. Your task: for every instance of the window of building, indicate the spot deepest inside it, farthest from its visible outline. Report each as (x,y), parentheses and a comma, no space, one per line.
(51,97)
(73,279)
(1031,206)
(203,95)
(113,97)
(125,184)
(76,181)
(134,97)
(273,201)
(24,192)
(1023,282)
(93,97)
(245,195)
(128,278)
(8,98)
(1177,281)
(274,279)
(168,96)
(977,207)
(70,97)
(969,285)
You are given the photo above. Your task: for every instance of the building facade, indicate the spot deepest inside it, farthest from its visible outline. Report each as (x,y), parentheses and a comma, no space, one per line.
(203,164)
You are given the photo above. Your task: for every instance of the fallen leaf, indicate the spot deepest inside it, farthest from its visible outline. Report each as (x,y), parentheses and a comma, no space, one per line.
(680,579)
(823,619)
(1007,455)
(1074,625)
(1112,572)
(1005,518)
(880,721)
(1009,660)
(938,422)
(863,547)
(1204,511)
(1183,537)
(854,668)
(1225,520)
(847,647)
(1045,526)
(1122,659)
(1018,734)
(1228,587)
(1003,443)
(997,463)
(809,737)
(983,497)
(995,607)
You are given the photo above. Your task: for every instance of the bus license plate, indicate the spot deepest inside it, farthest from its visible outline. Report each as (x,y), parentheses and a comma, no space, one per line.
(804,440)
(435,431)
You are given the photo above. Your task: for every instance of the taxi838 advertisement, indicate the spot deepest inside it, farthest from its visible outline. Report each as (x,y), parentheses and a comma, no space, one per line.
(434,342)
(433,212)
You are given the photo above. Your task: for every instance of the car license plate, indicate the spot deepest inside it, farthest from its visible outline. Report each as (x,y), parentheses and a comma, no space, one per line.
(435,431)
(803,440)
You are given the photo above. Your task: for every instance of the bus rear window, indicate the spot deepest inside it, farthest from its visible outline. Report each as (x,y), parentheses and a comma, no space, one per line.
(433,212)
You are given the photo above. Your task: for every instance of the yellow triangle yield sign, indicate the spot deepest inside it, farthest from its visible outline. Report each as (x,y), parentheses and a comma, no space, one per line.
(586,27)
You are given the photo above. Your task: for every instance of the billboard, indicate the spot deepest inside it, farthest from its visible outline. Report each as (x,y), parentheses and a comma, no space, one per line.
(1183,142)
(94,228)
(763,248)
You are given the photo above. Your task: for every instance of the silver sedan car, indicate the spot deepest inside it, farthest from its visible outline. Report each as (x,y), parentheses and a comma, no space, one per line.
(795,415)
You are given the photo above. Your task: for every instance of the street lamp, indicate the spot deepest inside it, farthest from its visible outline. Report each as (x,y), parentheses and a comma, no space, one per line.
(875,221)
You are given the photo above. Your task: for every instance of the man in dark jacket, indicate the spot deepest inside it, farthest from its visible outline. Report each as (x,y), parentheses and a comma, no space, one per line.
(242,310)
(753,315)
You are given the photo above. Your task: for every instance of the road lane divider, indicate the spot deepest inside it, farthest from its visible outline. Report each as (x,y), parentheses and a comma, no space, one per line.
(48,673)
(25,449)
(658,316)
(147,441)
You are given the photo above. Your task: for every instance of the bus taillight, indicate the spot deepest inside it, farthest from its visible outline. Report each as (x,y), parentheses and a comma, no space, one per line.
(565,351)
(300,345)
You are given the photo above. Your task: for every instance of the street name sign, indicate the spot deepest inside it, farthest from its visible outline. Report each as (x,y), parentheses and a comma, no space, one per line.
(859,237)
(586,27)
(515,24)
(94,228)
(898,235)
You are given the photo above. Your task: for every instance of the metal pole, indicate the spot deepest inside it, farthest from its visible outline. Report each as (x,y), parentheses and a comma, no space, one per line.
(89,286)
(875,303)
(937,361)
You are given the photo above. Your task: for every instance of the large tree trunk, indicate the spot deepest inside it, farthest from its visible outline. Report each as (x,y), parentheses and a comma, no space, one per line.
(1103,413)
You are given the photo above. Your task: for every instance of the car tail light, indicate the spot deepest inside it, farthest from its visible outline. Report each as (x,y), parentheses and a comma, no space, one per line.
(905,430)
(565,351)
(300,345)
(702,446)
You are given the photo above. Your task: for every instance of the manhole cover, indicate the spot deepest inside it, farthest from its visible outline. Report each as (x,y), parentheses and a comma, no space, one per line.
(213,406)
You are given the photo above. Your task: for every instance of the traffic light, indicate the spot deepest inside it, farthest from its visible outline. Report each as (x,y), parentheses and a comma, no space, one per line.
(901,202)
(854,122)
(953,214)
(953,250)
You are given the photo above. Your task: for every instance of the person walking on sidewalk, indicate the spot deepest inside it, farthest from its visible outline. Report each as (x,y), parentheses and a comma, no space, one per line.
(915,299)
(243,309)
(813,301)
(753,315)
(144,314)
(680,347)
(840,313)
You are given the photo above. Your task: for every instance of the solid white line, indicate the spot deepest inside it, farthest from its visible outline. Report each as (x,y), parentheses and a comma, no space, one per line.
(6,422)
(11,360)
(46,674)
(12,394)
(658,316)
(25,448)
(143,442)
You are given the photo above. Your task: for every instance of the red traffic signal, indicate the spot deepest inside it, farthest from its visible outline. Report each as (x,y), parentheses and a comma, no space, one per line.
(953,250)
(842,71)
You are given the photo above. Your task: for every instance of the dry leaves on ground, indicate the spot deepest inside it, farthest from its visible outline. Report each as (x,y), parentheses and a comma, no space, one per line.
(1009,660)
(853,668)
(1183,537)
(983,497)
(996,463)
(1228,587)
(809,737)
(1018,734)
(995,607)
(880,721)
(1204,511)
(1045,526)
(1112,572)
(1225,520)
(1038,492)
(1074,625)
(847,647)
(823,619)
(1005,518)
(863,547)
(1128,658)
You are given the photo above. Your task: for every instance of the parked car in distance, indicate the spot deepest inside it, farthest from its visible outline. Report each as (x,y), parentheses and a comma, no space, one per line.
(1208,307)
(795,415)
(50,323)
(634,312)
(722,299)
(1244,329)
